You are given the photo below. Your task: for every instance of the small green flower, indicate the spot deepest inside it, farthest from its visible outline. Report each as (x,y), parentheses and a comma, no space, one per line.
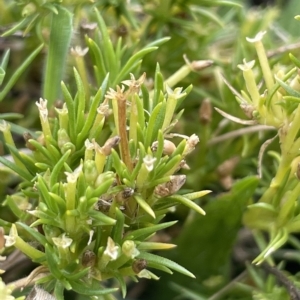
(63,241)
(129,249)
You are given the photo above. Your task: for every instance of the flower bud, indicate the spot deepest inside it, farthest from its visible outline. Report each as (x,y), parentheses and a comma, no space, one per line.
(103,177)
(90,172)
(68,146)
(129,249)
(51,232)
(62,138)
(62,241)
(28,9)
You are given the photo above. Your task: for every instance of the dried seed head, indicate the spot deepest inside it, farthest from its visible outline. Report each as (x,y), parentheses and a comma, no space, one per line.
(27,136)
(109,144)
(88,258)
(205,112)
(161,190)
(184,165)
(139,265)
(176,182)
(127,193)
(191,143)
(170,187)
(104,203)
(248,109)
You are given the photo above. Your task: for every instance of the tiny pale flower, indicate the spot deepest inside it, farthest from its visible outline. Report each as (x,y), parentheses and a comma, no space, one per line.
(89,145)
(246,65)
(72,177)
(42,106)
(62,241)
(257,38)
(103,109)
(4,126)
(175,94)
(79,51)
(134,84)
(118,94)
(91,237)
(11,238)
(144,274)
(149,161)
(112,250)
(63,110)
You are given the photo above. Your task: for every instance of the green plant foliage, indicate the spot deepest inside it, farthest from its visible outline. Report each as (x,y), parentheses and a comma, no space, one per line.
(111,169)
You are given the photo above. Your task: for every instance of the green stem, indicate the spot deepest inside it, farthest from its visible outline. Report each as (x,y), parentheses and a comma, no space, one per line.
(222,292)
(178,75)
(28,250)
(59,41)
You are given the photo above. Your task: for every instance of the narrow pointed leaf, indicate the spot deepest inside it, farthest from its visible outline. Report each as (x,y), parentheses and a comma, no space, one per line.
(187,202)
(144,205)
(34,233)
(83,289)
(148,230)
(155,259)
(19,72)
(22,173)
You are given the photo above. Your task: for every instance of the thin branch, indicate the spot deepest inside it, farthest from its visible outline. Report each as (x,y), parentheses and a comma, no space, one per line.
(283,49)
(237,133)
(219,294)
(235,119)
(283,280)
